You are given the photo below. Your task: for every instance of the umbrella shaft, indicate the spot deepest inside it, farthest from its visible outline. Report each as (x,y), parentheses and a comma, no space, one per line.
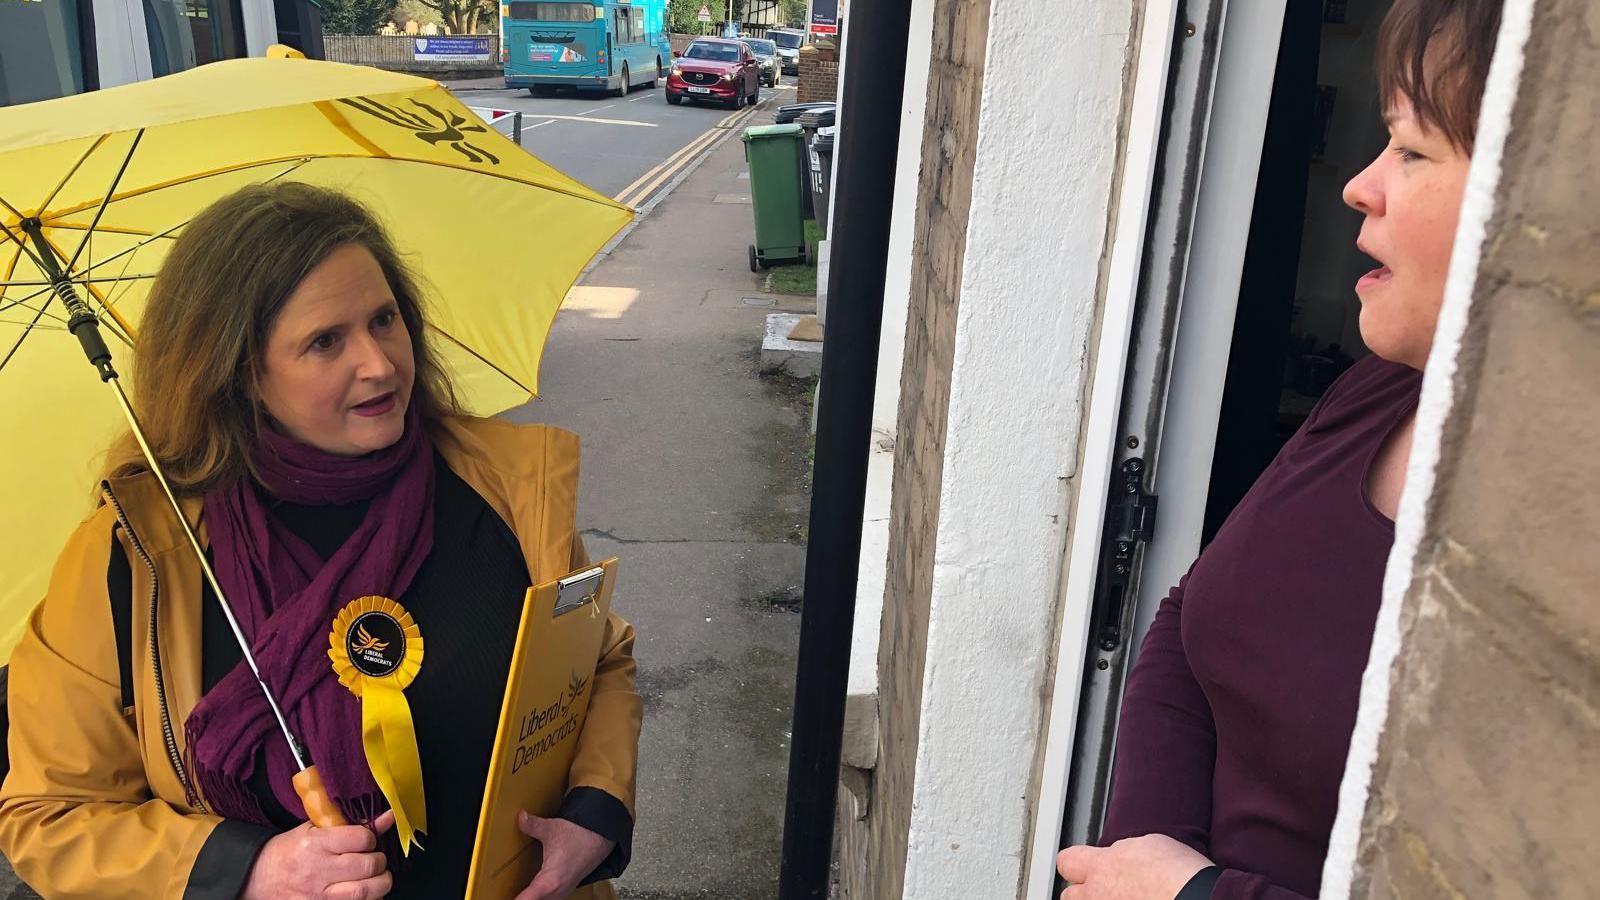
(205,565)
(80,320)
(83,324)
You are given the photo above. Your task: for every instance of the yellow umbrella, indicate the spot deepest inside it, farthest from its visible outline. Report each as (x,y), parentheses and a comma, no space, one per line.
(105,180)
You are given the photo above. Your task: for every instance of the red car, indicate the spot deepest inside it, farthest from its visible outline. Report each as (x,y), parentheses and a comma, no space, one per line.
(715,69)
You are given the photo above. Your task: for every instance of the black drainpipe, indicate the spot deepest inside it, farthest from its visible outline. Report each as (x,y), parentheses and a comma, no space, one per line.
(868,140)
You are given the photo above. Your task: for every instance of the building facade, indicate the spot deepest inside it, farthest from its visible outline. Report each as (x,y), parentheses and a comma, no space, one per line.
(1120,268)
(52,48)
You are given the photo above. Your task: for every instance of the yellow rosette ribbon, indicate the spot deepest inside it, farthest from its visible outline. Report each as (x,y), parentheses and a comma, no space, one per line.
(376,649)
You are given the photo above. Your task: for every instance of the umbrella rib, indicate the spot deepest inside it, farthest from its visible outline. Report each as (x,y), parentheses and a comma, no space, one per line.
(11,269)
(18,241)
(23,304)
(299,161)
(73,171)
(165,233)
(481,358)
(104,229)
(302,159)
(94,292)
(26,330)
(121,170)
(109,279)
(14,211)
(123,330)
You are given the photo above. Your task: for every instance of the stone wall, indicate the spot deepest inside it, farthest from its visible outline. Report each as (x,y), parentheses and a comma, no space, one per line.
(1487,776)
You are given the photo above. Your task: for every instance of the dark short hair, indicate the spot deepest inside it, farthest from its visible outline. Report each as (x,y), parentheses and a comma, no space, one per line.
(1435,53)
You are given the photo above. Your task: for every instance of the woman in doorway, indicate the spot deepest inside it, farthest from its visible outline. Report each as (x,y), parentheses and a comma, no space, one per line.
(289,387)
(1238,714)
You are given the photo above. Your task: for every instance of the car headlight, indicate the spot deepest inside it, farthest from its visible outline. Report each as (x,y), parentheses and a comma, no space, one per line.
(727,76)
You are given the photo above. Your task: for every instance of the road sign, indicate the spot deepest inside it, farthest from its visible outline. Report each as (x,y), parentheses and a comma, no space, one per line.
(824,16)
(705,13)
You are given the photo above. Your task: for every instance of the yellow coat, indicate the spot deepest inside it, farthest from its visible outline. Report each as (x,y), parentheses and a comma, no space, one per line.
(93,806)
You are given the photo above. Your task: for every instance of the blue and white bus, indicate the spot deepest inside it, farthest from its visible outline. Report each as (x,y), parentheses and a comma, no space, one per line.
(609,45)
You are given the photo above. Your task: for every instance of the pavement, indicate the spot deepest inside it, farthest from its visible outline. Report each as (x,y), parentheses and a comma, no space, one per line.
(696,472)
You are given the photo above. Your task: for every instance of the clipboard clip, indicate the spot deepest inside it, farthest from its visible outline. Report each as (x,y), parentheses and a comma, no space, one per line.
(578,590)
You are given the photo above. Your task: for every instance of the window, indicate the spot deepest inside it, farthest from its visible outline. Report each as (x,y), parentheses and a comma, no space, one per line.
(628,26)
(552,12)
(41,51)
(188,33)
(788,40)
(707,50)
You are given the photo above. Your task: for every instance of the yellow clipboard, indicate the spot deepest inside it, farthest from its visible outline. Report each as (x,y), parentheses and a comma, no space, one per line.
(546,701)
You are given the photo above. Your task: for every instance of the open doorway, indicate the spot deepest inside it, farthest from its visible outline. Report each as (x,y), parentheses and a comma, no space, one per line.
(1296,327)
(1246,314)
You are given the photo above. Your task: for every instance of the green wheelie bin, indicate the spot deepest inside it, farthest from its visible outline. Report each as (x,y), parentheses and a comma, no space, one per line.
(773,153)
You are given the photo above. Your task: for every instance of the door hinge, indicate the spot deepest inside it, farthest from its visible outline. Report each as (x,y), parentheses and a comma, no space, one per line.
(1130,521)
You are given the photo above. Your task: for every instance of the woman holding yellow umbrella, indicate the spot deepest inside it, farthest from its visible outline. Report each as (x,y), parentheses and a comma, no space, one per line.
(296,399)
(287,384)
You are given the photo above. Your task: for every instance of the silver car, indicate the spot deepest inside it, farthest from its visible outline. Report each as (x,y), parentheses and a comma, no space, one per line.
(767,54)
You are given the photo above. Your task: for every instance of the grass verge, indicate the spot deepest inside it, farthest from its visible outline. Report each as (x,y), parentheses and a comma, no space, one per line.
(798,279)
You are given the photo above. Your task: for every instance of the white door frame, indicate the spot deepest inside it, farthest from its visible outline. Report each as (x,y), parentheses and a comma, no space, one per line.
(1228,169)
(1223,211)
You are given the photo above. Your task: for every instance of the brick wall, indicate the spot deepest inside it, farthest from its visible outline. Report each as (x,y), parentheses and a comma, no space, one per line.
(1487,780)
(944,195)
(819,74)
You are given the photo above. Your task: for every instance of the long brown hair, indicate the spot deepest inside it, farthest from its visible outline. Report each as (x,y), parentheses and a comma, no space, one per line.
(1435,53)
(211,306)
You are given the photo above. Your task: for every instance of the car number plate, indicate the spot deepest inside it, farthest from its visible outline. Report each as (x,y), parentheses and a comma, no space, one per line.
(699,90)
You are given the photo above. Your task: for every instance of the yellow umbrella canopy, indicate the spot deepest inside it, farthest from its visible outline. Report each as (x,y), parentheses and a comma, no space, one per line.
(112,177)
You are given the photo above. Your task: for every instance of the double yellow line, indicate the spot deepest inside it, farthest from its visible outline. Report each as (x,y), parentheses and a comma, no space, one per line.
(648,183)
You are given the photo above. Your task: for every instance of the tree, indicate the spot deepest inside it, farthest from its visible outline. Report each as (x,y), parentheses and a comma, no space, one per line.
(683,16)
(414,11)
(355,16)
(463,16)
(794,13)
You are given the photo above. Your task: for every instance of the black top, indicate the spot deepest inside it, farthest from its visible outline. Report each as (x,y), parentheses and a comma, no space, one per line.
(467,599)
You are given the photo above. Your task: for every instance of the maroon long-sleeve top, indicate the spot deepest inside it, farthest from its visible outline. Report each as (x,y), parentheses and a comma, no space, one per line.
(1238,712)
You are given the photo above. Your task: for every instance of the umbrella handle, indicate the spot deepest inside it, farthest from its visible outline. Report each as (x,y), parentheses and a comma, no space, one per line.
(320,808)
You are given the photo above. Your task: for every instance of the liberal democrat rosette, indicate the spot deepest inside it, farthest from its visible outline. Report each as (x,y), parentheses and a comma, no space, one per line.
(376,649)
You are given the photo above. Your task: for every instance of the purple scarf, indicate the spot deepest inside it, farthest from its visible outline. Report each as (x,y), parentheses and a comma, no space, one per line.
(285,598)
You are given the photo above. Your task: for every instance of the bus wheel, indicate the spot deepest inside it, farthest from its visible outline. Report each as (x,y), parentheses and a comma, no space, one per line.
(622,90)
(656,80)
